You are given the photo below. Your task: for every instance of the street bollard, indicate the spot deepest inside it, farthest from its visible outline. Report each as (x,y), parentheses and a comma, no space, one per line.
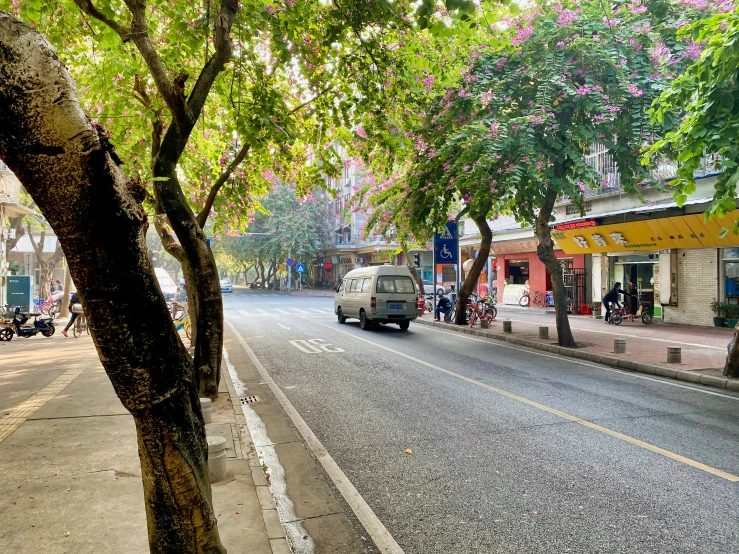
(619,346)
(543,332)
(673,355)
(485,323)
(507,326)
(205,404)
(216,458)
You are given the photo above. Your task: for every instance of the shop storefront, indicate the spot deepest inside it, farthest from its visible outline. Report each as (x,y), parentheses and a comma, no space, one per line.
(678,264)
(345,263)
(518,269)
(380,258)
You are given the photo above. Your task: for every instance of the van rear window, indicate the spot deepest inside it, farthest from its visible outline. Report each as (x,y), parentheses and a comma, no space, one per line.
(394,283)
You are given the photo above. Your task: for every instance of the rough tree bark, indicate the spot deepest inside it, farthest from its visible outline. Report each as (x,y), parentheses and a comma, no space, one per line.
(48,142)
(545,252)
(46,263)
(486,239)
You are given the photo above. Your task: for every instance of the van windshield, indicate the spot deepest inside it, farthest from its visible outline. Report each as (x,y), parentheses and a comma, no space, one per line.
(395,283)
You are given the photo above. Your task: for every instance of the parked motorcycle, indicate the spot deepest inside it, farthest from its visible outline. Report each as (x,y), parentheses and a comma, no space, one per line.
(43,325)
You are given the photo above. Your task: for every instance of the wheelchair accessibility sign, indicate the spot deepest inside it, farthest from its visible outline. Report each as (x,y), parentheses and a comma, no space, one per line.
(445,244)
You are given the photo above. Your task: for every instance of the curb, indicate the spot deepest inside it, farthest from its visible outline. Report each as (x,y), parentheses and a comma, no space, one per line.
(272,524)
(613,361)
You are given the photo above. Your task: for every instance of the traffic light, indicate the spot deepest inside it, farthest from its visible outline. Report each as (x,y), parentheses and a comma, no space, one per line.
(417,259)
(282,267)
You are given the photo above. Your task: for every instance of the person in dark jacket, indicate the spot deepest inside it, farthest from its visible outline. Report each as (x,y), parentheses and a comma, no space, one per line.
(73,299)
(612,298)
(443,305)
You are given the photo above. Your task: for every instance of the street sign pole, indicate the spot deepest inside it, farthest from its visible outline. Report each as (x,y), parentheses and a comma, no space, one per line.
(289,270)
(433,273)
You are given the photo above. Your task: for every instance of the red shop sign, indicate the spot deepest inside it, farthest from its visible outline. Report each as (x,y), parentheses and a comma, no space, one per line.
(328,265)
(575,225)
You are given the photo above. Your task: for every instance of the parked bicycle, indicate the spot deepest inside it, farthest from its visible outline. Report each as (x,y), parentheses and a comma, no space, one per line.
(538,299)
(479,311)
(49,306)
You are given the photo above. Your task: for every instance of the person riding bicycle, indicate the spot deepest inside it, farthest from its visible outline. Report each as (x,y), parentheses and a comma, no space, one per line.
(73,299)
(612,298)
(443,305)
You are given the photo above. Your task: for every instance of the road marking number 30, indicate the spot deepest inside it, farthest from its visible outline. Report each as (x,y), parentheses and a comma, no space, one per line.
(314,346)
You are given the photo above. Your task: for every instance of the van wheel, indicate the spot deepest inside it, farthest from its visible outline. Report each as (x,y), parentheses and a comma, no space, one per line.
(404,325)
(364,323)
(340,315)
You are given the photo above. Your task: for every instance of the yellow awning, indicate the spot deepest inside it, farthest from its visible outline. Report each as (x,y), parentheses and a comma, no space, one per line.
(685,231)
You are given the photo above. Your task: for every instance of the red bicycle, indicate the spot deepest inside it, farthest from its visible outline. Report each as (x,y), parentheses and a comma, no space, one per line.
(479,311)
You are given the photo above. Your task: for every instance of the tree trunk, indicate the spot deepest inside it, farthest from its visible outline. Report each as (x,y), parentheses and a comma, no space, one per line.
(96,213)
(412,268)
(545,251)
(16,223)
(67,292)
(731,369)
(486,239)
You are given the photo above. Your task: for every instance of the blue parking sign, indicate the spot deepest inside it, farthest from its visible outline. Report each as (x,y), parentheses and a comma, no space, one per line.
(300,268)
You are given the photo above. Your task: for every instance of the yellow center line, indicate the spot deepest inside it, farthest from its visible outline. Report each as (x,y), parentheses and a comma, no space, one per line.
(636,442)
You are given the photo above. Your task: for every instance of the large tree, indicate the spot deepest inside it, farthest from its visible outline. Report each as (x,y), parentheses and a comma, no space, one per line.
(315,60)
(95,210)
(701,110)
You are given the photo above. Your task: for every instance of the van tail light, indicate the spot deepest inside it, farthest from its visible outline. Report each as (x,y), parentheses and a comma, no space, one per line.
(373,302)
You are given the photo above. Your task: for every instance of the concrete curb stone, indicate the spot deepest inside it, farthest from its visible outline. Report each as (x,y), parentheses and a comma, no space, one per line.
(712,381)
(613,361)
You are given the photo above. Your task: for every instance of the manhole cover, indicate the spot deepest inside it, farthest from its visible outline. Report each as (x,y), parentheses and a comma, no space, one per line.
(249,399)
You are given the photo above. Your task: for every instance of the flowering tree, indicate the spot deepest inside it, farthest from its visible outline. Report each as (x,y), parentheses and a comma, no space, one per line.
(702,114)
(294,72)
(513,136)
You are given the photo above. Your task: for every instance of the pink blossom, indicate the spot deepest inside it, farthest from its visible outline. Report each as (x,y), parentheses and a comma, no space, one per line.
(361,132)
(522,34)
(633,89)
(566,17)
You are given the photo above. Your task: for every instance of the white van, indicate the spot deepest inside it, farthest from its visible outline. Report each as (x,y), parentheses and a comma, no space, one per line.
(384,294)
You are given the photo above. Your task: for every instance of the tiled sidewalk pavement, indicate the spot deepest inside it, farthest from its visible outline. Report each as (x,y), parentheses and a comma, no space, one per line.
(70,478)
(704,349)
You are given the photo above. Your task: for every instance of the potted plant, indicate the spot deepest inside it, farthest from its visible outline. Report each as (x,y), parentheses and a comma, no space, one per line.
(732,315)
(719,309)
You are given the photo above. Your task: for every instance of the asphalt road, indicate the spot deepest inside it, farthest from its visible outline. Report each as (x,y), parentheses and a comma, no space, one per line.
(512,451)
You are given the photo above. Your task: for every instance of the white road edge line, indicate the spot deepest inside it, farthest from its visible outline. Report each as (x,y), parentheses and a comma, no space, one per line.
(580,362)
(376,530)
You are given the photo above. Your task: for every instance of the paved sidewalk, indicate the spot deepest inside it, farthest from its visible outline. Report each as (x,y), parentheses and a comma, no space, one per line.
(70,478)
(704,349)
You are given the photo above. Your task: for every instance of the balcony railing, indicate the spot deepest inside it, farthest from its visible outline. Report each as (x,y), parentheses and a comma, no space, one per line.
(359,241)
(602,161)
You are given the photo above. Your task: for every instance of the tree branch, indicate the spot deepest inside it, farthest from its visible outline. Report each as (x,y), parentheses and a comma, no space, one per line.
(203,215)
(86,6)
(221,55)
(39,250)
(140,35)
(168,241)
(16,223)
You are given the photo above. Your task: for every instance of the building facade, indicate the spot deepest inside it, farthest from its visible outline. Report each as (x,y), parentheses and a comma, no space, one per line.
(666,254)
(10,207)
(350,246)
